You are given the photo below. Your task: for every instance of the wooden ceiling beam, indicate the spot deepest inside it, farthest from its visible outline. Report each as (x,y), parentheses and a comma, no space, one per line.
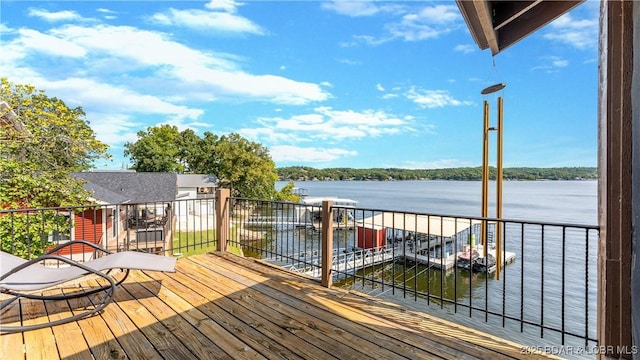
(498,24)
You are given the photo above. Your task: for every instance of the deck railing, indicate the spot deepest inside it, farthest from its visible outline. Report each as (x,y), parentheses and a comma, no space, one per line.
(174,228)
(545,287)
(544,291)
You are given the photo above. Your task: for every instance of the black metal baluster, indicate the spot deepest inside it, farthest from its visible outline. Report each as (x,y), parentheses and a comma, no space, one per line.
(586,288)
(542,283)
(562,305)
(521,277)
(504,267)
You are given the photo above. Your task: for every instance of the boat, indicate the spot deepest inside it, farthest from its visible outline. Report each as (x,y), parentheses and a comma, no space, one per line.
(467,259)
(484,264)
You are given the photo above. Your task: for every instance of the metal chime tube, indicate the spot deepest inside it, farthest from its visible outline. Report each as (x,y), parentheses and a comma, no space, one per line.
(485,177)
(499,192)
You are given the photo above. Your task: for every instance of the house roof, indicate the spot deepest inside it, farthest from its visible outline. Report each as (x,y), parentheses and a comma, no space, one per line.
(196,180)
(498,24)
(118,187)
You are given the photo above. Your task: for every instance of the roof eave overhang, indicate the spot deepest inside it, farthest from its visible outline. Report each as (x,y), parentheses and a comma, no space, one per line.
(477,15)
(499,24)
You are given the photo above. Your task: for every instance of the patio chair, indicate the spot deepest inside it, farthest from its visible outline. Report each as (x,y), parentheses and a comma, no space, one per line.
(27,278)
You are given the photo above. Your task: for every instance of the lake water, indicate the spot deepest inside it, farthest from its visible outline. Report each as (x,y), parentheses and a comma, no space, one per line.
(573,202)
(553,201)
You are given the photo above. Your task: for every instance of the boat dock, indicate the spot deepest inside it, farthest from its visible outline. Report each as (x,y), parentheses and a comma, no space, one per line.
(308,263)
(276,222)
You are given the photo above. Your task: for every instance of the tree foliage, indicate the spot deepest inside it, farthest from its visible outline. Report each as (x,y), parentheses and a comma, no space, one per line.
(286,193)
(42,141)
(27,234)
(241,165)
(245,167)
(465,173)
(158,149)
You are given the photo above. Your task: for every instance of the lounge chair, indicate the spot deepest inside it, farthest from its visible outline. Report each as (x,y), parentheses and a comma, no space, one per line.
(21,278)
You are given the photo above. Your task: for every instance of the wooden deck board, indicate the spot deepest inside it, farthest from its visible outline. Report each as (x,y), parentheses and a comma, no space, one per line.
(225,307)
(75,346)
(223,338)
(301,332)
(353,316)
(11,345)
(338,330)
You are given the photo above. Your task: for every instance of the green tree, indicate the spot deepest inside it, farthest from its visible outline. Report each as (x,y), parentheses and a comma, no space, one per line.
(42,142)
(241,165)
(191,150)
(286,193)
(157,150)
(205,155)
(245,167)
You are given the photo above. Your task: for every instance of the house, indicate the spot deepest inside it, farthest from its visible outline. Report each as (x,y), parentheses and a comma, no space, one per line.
(134,200)
(196,186)
(496,25)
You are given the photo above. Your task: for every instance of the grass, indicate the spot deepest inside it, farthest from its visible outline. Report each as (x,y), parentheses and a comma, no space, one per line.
(199,242)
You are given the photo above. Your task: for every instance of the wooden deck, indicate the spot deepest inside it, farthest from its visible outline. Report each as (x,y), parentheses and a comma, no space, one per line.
(220,306)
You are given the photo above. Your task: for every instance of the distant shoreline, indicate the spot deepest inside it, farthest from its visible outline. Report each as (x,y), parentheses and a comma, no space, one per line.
(370,180)
(301,173)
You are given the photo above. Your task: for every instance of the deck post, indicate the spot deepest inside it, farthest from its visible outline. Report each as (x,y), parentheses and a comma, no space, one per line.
(327,243)
(617,168)
(222,218)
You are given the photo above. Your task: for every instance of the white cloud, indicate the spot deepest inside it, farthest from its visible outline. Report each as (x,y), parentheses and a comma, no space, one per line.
(48,16)
(123,50)
(242,85)
(349,62)
(411,23)
(439,14)
(102,96)
(433,98)
(427,23)
(203,20)
(579,33)
(35,41)
(112,129)
(465,48)
(560,63)
(352,8)
(224,5)
(551,64)
(283,153)
(105,11)
(379,87)
(327,124)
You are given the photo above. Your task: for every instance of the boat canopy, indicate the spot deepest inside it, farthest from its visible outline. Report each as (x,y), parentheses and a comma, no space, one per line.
(425,224)
(317,201)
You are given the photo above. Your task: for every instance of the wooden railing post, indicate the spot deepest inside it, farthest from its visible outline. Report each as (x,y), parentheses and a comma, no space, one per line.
(327,243)
(222,218)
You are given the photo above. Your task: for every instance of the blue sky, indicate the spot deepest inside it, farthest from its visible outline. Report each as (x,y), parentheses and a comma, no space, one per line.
(323,84)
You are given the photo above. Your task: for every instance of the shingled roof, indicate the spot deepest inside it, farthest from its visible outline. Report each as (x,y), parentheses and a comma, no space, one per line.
(119,187)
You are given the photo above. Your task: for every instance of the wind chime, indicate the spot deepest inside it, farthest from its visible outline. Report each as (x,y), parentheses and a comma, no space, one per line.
(485,176)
